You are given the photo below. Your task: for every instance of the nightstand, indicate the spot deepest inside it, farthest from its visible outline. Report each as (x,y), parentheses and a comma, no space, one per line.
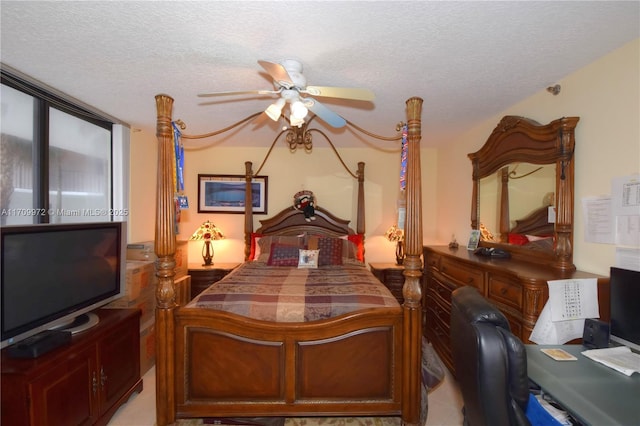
(203,276)
(391,275)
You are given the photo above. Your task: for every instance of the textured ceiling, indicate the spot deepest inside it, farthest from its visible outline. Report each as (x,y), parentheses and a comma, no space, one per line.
(467,60)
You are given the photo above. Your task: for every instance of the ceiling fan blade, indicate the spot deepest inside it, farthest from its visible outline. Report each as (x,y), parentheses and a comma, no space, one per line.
(333,119)
(278,73)
(239,92)
(359,94)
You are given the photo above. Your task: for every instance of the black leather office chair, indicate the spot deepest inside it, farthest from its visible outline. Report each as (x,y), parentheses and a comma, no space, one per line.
(490,362)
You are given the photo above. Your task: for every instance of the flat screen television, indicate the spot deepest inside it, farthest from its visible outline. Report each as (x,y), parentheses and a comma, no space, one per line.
(625,307)
(53,275)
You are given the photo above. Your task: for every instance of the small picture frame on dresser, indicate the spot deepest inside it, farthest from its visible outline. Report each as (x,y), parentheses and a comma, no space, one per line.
(474,239)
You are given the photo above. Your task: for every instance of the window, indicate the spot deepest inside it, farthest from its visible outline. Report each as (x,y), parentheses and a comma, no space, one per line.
(56,159)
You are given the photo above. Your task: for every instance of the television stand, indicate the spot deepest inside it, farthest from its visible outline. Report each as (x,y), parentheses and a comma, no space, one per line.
(83,382)
(39,344)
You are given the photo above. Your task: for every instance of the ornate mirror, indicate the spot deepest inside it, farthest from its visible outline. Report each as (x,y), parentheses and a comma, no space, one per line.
(522,199)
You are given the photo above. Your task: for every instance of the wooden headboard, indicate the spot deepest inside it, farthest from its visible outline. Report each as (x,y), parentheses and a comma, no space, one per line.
(292,222)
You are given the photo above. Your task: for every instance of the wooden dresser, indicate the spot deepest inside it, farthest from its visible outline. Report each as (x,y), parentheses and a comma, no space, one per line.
(519,289)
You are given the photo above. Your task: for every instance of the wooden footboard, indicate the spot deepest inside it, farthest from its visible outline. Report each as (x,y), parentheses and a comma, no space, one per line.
(228,366)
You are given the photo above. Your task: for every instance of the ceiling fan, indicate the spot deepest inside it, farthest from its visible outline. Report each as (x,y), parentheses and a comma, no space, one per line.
(292,87)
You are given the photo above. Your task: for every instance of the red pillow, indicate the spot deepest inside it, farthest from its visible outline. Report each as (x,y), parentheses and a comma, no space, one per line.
(254,245)
(358,240)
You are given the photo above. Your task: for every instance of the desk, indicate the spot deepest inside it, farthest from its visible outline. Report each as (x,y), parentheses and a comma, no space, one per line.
(593,393)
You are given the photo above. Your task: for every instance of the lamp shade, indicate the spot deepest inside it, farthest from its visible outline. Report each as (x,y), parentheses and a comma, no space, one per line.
(207,231)
(394,234)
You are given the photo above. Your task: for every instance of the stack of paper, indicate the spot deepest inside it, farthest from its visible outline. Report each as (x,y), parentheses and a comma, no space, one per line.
(619,358)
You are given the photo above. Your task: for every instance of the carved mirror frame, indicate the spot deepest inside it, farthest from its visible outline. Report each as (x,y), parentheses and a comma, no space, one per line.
(518,139)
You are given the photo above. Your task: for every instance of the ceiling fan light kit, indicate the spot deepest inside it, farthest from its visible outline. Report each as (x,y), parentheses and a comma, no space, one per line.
(298,110)
(291,84)
(275,109)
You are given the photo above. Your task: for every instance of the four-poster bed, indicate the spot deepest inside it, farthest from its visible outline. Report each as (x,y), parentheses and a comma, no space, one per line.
(213,363)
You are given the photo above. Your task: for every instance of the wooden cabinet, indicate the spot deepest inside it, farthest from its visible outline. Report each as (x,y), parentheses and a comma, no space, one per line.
(391,275)
(518,288)
(203,276)
(82,383)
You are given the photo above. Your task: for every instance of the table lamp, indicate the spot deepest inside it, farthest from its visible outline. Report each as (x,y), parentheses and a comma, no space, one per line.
(397,234)
(207,232)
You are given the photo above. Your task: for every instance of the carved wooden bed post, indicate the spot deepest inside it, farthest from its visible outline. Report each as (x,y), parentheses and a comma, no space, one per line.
(248,209)
(360,224)
(505,219)
(165,247)
(412,290)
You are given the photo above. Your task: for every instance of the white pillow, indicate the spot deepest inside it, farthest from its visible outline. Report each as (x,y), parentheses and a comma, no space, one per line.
(308,258)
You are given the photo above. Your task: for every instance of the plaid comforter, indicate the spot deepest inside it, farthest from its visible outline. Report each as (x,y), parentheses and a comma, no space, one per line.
(290,294)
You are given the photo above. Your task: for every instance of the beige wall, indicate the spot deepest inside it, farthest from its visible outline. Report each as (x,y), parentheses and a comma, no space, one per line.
(606,97)
(319,171)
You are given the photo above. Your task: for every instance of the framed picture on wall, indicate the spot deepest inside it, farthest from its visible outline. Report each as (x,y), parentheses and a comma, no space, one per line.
(226,194)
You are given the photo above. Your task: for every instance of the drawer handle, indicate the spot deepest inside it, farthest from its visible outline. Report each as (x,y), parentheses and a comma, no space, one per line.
(103,378)
(503,291)
(94,383)
(470,280)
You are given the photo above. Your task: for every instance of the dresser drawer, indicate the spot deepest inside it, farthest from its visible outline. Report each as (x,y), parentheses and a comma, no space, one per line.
(442,313)
(505,291)
(463,274)
(437,333)
(432,261)
(440,289)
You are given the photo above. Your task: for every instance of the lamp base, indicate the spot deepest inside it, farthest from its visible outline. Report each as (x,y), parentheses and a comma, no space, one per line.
(207,253)
(399,253)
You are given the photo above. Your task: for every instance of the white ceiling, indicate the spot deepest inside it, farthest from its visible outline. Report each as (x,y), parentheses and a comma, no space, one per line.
(467,60)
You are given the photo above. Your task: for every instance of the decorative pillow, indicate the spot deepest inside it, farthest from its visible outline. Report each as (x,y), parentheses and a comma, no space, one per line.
(358,241)
(283,255)
(353,247)
(308,258)
(266,242)
(331,249)
(255,247)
